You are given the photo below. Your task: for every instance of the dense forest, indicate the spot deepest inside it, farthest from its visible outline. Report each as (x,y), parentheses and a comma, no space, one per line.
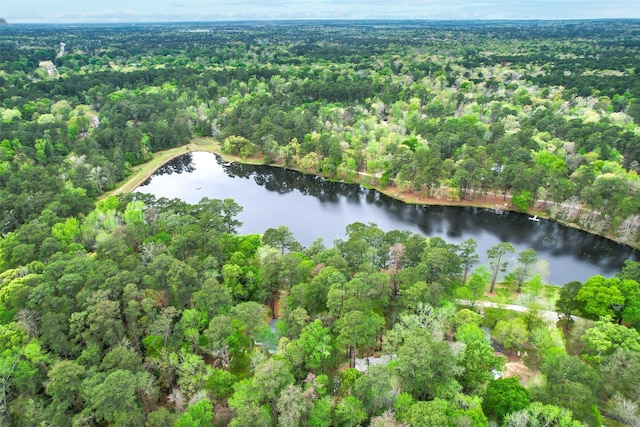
(134,311)
(545,114)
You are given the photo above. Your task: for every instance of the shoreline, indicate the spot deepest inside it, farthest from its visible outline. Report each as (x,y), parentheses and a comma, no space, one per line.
(142,172)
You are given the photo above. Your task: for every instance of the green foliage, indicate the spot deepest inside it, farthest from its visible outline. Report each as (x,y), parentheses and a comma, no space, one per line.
(133,213)
(160,418)
(497,258)
(270,378)
(630,271)
(567,302)
(153,344)
(619,373)
(465,316)
(349,412)
(6,314)
(477,284)
(522,201)
(314,345)
(376,389)
(526,259)
(252,318)
(468,256)
(548,342)
(426,366)
(429,414)
(293,406)
(357,329)
(281,238)
(348,378)
(467,410)
(200,414)
(321,413)
(511,333)
(600,296)
(605,337)
(238,145)
(478,360)
(503,397)
(571,384)
(113,398)
(87,292)
(245,403)
(539,414)
(402,404)
(220,383)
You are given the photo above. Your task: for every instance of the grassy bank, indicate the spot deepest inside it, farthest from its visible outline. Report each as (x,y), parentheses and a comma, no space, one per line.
(505,294)
(141,173)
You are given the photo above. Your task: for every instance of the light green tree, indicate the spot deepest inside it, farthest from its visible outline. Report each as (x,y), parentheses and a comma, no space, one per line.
(376,389)
(468,256)
(497,259)
(252,317)
(200,414)
(539,414)
(511,333)
(605,337)
(427,368)
(293,406)
(64,387)
(280,238)
(600,297)
(478,359)
(526,259)
(572,384)
(429,414)
(316,346)
(350,412)
(477,284)
(321,413)
(357,329)
(238,145)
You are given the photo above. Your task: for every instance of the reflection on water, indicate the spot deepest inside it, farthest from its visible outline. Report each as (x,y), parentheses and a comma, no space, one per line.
(312,207)
(180,164)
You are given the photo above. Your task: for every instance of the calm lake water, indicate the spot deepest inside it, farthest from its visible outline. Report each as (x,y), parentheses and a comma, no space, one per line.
(313,207)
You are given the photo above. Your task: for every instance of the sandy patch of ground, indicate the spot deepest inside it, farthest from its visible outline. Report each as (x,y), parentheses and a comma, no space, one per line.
(515,367)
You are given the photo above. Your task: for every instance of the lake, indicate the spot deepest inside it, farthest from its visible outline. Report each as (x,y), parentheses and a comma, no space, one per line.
(313,207)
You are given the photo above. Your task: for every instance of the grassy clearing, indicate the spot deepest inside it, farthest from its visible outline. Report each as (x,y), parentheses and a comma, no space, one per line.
(505,294)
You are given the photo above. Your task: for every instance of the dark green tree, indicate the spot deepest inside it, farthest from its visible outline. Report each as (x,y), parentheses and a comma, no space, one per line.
(426,366)
(567,301)
(503,397)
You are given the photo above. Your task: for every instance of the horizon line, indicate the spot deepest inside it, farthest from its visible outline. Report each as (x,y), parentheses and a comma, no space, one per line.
(245,20)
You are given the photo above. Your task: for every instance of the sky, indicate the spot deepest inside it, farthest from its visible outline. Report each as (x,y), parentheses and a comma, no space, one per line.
(103,11)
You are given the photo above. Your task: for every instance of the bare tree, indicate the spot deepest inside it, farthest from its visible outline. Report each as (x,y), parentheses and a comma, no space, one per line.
(630,228)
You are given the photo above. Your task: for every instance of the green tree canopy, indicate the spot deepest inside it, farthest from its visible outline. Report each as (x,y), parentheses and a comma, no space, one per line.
(503,397)
(600,297)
